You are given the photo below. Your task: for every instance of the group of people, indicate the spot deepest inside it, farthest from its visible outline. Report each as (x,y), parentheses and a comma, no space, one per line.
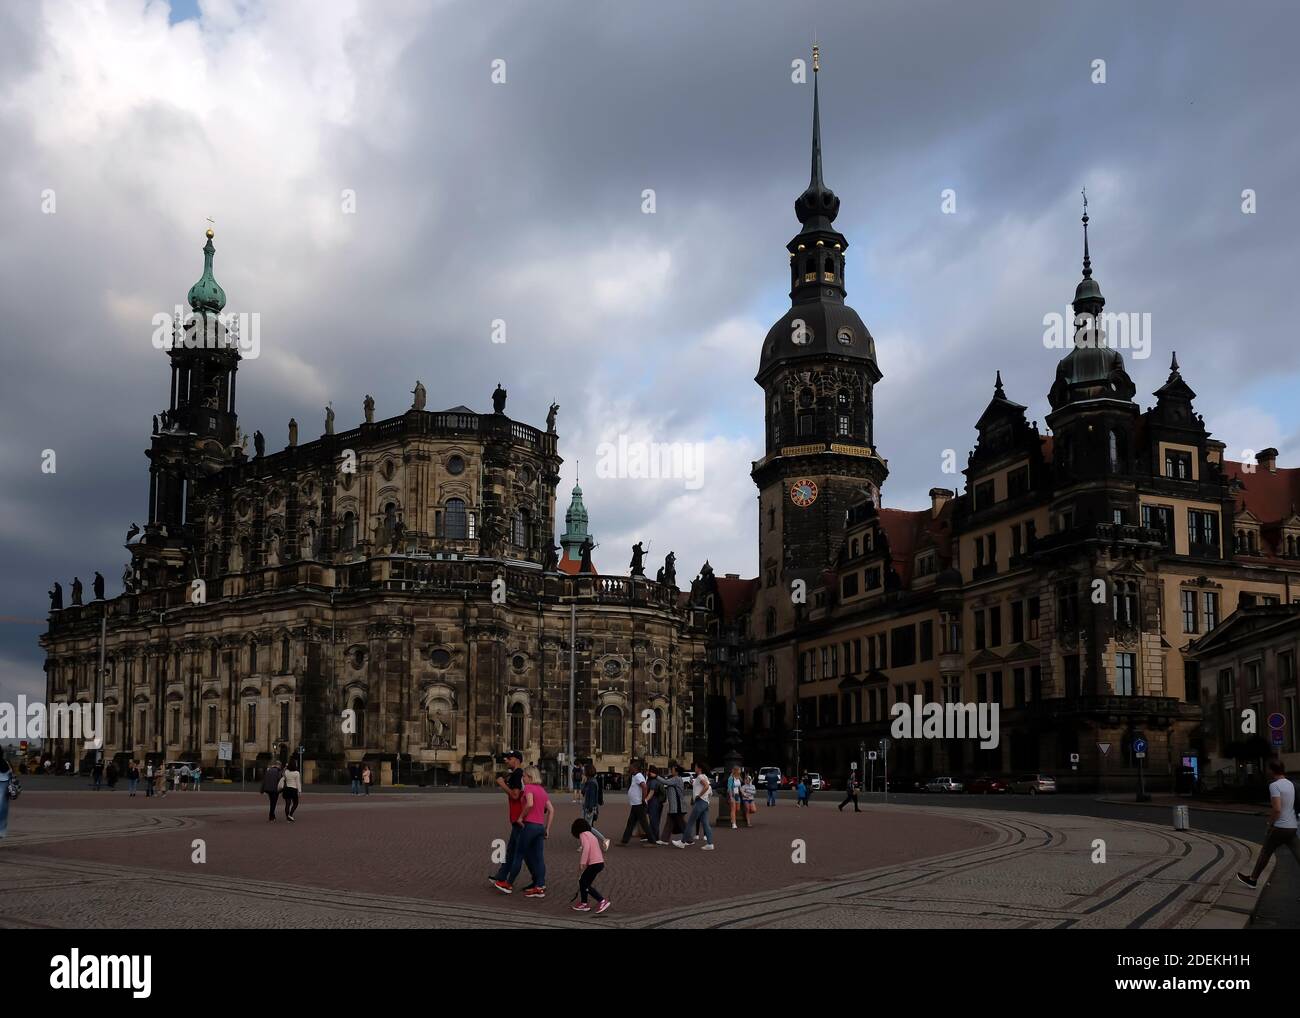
(153,776)
(361,778)
(667,808)
(283,780)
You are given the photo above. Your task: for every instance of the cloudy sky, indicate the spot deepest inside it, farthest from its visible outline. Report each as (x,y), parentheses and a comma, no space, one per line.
(125,125)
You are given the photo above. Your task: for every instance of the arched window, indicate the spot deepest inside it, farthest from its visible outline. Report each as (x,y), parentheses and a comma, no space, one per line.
(828,267)
(771,621)
(855,548)
(519,529)
(348,537)
(284,654)
(358,736)
(611,730)
(252,656)
(517,733)
(457,520)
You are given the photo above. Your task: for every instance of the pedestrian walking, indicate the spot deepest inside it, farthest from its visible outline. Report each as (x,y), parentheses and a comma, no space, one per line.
(513,785)
(747,794)
(734,783)
(6,777)
(654,802)
(773,783)
(183,779)
(801,793)
(538,812)
(1282,823)
(148,780)
(593,797)
(132,778)
(675,795)
(67,768)
(365,778)
(272,785)
(292,788)
(98,772)
(110,775)
(196,777)
(636,817)
(160,779)
(699,814)
(808,789)
(851,792)
(354,771)
(590,864)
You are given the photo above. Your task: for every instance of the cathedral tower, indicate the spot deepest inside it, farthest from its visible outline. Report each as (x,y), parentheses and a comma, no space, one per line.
(817,370)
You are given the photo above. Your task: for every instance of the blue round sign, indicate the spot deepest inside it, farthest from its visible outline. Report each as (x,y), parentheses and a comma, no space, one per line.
(1139,745)
(1276,720)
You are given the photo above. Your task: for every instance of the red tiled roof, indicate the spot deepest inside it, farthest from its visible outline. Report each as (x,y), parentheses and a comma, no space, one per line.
(1269,494)
(1048,446)
(736,595)
(572,566)
(907,529)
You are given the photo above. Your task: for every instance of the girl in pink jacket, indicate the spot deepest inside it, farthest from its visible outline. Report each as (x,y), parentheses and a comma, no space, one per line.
(591,863)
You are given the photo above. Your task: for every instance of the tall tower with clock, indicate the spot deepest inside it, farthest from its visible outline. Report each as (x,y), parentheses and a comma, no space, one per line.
(818,372)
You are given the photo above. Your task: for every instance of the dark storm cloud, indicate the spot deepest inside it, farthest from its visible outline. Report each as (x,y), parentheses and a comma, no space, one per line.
(522,202)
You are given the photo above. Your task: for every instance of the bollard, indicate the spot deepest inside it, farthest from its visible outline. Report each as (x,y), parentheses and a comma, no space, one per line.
(1181,820)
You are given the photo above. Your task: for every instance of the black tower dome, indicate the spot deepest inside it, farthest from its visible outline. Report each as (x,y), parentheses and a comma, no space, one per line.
(819,325)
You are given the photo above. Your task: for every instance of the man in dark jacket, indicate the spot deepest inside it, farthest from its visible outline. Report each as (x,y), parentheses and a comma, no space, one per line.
(271,785)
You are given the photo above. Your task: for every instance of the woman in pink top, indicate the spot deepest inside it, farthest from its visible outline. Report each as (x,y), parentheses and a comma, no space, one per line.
(591,863)
(536,816)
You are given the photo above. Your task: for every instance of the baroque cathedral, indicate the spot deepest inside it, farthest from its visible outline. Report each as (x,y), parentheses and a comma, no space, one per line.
(392,593)
(389,594)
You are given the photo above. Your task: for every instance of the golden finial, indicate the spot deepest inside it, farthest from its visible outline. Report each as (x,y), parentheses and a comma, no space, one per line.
(816,58)
(209,232)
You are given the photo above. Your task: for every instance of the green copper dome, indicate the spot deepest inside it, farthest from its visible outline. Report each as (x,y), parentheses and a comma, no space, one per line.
(206,294)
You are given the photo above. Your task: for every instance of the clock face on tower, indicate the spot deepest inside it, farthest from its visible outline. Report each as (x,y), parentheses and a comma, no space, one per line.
(803,493)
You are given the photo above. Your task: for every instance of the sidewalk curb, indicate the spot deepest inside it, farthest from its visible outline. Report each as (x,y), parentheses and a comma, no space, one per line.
(1256,811)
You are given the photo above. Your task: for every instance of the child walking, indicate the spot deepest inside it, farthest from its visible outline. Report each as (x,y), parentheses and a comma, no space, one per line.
(590,865)
(801,791)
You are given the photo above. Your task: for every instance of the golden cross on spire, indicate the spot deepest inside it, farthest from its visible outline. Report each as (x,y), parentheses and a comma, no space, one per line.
(209,230)
(1084,191)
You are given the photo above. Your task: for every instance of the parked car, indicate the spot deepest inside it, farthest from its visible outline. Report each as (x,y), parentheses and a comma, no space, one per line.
(760,781)
(815,780)
(1033,784)
(985,785)
(944,784)
(908,785)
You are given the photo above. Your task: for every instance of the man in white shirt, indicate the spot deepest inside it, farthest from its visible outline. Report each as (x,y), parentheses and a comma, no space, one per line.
(1281,822)
(636,792)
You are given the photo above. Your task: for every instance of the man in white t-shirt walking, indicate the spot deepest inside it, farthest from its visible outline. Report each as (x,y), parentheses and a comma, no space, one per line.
(1281,822)
(636,792)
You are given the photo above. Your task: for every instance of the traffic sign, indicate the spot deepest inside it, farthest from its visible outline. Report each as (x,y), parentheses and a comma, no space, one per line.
(853,766)
(1277,737)
(224,751)
(1139,747)
(1104,747)
(1140,756)
(1074,758)
(871,754)
(1276,720)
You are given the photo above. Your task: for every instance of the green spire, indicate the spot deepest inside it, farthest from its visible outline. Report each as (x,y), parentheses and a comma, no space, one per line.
(206,294)
(575,526)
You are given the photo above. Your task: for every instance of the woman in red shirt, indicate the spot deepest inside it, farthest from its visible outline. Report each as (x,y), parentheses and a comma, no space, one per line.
(538,812)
